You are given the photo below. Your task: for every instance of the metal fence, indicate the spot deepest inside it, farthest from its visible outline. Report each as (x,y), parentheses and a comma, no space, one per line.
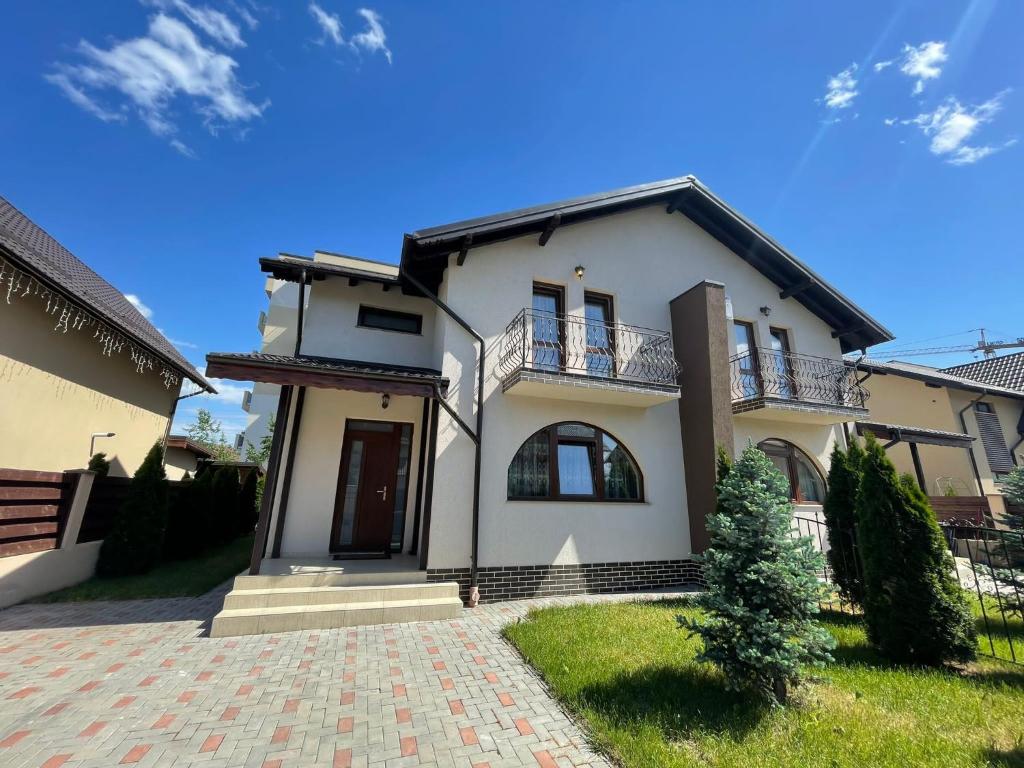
(989,566)
(775,374)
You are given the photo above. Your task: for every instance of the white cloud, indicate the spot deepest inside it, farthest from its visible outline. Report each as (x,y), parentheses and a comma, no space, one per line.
(923,62)
(890,121)
(373,38)
(150,72)
(329,23)
(136,302)
(182,148)
(841,89)
(213,22)
(951,125)
(880,65)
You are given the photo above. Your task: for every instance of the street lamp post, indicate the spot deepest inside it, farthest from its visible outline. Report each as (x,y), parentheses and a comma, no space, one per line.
(92,441)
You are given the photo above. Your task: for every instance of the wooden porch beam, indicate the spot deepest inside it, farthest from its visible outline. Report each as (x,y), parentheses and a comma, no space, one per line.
(797,288)
(549,230)
(259,544)
(467,241)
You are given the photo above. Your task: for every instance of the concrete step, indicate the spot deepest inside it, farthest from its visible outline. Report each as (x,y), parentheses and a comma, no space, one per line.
(279,597)
(260,621)
(330,578)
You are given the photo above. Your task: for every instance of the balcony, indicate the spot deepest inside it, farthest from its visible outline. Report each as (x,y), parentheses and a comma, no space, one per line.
(565,357)
(772,384)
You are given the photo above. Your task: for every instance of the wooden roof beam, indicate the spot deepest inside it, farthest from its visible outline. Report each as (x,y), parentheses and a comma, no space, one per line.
(797,288)
(676,203)
(467,241)
(848,330)
(549,230)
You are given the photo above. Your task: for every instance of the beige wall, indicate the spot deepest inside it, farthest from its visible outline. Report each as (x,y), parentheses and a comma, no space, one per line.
(901,400)
(56,389)
(178,461)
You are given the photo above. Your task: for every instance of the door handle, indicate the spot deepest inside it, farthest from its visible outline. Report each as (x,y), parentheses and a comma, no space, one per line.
(383,493)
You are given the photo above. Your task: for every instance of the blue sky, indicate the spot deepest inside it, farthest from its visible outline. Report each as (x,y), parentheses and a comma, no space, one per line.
(170,143)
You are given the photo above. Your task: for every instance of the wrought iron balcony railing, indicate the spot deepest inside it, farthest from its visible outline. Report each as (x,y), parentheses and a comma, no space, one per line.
(547,342)
(772,374)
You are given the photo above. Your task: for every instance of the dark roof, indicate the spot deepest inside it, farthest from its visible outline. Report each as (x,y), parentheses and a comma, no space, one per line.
(36,252)
(287,267)
(425,252)
(324,371)
(1006,371)
(934,376)
(900,432)
(188,444)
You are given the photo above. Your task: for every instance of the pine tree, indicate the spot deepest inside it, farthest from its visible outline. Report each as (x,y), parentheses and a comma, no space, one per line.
(840,520)
(914,607)
(763,591)
(136,538)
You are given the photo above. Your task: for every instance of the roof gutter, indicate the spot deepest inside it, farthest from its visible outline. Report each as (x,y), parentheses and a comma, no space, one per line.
(475,435)
(970,448)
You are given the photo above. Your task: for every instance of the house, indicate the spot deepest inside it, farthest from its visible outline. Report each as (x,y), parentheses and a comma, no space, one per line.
(1005,371)
(183,456)
(80,368)
(530,403)
(957,436)
(277,336)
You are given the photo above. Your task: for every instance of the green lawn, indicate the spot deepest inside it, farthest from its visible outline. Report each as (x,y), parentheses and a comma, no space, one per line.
(184,578)
(630,675)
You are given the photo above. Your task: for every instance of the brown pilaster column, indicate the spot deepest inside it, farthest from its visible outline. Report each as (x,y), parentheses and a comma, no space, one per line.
(700,335)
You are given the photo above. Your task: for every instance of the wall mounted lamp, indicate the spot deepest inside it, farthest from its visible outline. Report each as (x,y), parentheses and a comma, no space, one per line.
(579,270)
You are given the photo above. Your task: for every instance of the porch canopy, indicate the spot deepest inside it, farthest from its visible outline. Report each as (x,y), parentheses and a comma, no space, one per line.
(912,436)
(327,373)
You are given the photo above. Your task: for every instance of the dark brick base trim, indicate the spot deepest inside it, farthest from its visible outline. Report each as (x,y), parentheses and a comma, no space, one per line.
(516,582)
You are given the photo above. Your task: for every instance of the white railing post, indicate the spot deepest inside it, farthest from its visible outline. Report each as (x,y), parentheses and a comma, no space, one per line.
(76,507)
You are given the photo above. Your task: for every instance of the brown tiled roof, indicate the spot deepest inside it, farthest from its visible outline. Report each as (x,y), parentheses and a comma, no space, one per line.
(38,253)
(1006,371)
(933,376)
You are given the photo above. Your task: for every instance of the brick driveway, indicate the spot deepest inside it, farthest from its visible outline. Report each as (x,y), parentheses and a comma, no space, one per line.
(102,684)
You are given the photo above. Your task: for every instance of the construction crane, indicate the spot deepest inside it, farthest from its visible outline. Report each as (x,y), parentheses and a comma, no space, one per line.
(988,348)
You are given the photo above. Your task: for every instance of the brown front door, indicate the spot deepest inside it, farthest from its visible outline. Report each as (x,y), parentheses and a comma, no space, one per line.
(364,508)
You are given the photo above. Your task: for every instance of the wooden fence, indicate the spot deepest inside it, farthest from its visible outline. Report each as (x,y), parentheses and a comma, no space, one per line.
(973,508)
(33,510)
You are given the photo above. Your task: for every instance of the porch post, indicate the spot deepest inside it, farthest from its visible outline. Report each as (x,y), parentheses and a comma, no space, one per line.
(429,490)
(286,481)
(918,469)
(259,544)
(421,467)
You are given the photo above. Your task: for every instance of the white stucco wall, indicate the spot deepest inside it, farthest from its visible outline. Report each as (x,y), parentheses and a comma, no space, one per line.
(643,259)
(310,510)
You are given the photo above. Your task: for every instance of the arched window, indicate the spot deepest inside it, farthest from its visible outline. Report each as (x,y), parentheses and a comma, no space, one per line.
(806,485)
(574,462)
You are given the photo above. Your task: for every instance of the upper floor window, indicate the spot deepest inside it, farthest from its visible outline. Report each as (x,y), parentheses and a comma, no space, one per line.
(389,320)
(806,485)
(573,461)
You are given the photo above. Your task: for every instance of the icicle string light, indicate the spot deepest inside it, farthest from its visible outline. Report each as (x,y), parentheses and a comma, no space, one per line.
(16,284)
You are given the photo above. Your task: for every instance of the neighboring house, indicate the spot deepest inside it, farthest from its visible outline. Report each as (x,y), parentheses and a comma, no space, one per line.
(277,334)
(530,403)
(967,434)
(76,360)
(184,455)
(80,370)
(1005,371)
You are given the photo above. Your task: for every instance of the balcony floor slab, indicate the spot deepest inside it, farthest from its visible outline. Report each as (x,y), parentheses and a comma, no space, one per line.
(797,411)
(588,389)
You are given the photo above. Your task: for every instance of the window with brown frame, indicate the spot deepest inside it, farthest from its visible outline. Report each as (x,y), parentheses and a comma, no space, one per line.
(600,316)
(571,461)
(806,485)
(548,331)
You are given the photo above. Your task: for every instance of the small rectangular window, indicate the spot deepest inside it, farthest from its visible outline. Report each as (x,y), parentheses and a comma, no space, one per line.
(389,320)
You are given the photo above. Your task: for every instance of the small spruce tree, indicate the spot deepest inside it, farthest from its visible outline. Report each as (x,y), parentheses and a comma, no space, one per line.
(763,591)
(914,608)
(136,538)
(840,520)
(98,463)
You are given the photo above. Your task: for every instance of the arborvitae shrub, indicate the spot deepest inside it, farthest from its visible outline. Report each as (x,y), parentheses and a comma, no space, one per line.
(98,463)
(135,540)
(763,590)
(914,607)
(841,522)
(247,511)
(224,513)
